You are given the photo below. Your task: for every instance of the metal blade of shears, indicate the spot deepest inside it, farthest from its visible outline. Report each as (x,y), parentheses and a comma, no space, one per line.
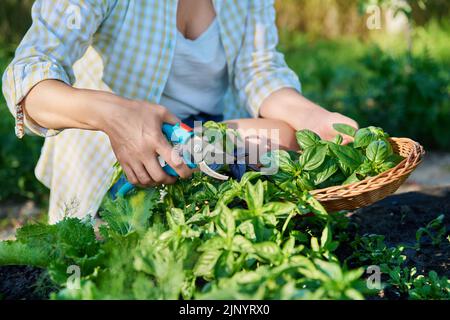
(200,150)
(210,172)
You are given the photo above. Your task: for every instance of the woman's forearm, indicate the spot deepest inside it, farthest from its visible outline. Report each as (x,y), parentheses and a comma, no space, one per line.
(53,104)
(300,113)
(133,127)
(290,106)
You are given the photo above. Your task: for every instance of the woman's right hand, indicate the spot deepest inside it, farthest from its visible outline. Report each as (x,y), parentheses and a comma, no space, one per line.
(135,131)
(134,127)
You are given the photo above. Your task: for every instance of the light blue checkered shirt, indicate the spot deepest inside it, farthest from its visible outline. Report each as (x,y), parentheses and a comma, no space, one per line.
(127,46)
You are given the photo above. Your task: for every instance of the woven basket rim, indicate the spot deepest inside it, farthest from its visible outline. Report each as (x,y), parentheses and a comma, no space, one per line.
(404,168)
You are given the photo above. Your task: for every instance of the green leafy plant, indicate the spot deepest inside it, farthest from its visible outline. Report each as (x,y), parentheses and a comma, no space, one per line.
(328,163)
(399,275)
(431,287)
(435,230)
(207,239)
(372,250)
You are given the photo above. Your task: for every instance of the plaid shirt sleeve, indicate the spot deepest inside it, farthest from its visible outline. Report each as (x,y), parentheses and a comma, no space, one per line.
(260,69)
(60,34)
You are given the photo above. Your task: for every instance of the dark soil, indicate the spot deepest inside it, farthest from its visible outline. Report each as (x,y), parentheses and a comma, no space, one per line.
(399,217)
(22,282)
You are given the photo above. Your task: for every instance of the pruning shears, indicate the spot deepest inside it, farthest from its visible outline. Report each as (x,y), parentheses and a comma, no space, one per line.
(190,147)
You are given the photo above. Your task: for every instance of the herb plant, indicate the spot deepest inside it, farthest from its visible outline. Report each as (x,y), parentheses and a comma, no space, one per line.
(323,164)
(251,238)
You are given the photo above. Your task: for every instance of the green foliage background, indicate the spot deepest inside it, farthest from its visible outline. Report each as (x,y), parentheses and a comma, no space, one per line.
(368,75)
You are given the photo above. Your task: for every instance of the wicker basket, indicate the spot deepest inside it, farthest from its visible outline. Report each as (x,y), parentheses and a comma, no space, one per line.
(373,189)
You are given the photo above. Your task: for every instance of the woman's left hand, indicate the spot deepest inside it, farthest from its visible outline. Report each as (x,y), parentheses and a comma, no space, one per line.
(323,126)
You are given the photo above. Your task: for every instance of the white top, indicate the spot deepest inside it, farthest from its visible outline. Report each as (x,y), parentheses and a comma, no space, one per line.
(198,78)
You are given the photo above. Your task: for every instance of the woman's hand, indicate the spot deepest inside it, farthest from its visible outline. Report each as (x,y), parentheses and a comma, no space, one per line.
(323,125)
(300,113)
(134,129)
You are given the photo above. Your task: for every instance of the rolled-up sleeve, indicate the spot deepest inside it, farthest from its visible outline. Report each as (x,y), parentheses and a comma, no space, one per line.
(260,69)
(60,34)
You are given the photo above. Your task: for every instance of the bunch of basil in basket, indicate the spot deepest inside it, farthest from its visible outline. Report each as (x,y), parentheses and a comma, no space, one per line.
(322,164)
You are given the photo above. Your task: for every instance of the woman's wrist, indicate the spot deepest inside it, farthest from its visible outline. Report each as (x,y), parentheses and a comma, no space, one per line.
(105,109)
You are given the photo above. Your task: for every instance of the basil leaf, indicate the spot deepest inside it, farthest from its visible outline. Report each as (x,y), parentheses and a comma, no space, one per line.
(307,139)
(351,179)
(313,157)
(289,246)
(315,206)
(206,263)
(268,251)
(345,129)
(279,208)
(386,166)
(365,169)
(243,245)
(391,161)
(364,137)
(281,177)
(349,159)
(243,215)
(270,220)
(225,265)
(220,126)
(294,155)
(175,218)
(380,134)
(284,160)
(226,221)
(278,159)
(299,236)
(338,139)
(305,184)
(378,151)
(395,158)
(335,179)
(190,233)
(213,244)
(326,236)
(254,195)
(325,171)
(315,244)
(249,176)
(248,230)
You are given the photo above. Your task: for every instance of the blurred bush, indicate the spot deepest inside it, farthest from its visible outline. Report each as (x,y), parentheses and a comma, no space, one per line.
(15,19)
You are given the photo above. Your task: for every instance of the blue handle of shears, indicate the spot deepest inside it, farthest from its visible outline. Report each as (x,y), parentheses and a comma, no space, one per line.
(177,134)
(125,189)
